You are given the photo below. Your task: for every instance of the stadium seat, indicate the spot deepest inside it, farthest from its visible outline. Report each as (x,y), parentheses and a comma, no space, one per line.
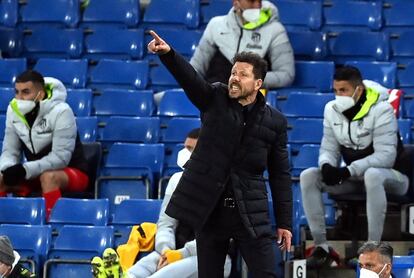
(2,126)
(405,130)
(87,128)
(10,42)
(370,46)
(131,129)
(29,211)
(305,131)
(161,78)
(115,13)
(100,43)
(32,242)
(186,13)
(73,249)
(300,14)
(80,101)
(70,211)
(308,45)
(66,43)
(93,155)
(305,104)
(212,8)
(132,212)
(62,13)
(121,102)
(398,14)
(405,75)
(174,102)
(408,107)
(6,95)
(365,14)
(271,99)
(307,157)
(183,41)
(403,266)
(401,45)
(313,75)
(384,73)
(72,73)
(10,69)
(119,74)
(177,128)
(9,12)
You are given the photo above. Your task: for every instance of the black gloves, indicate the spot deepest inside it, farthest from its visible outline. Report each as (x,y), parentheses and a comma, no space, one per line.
(14,175)
(334,175)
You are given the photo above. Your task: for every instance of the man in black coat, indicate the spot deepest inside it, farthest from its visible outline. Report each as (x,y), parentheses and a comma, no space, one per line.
(222,193)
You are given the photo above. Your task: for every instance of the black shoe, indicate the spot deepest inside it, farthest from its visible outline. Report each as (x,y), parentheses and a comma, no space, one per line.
(319,259)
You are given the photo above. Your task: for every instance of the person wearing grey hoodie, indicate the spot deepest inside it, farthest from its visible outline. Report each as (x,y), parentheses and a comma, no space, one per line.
(250,25)
(42,126)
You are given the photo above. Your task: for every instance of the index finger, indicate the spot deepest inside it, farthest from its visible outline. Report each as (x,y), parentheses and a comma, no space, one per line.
(155,36)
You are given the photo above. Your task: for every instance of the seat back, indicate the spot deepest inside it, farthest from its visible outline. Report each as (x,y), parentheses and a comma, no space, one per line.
(22,211)
(9,12)
(384,73)
(174,102)
(308,45)
(72,73)
(93,155)
(10,69)
(177,128)
(10,42)
(6,95)
(314,75)
(398,14)
(307,157)
(2,126)
(300,13)
(210,9)
(305,131)
(401,45)
(80,101)
(87,128)
(305,104)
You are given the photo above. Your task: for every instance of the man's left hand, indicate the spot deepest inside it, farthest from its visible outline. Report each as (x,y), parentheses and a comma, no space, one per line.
(14,175)
(284,239)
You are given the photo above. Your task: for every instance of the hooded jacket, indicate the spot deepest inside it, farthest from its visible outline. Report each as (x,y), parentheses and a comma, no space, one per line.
(224,37)
(368,140)
(231,152)
(51,143)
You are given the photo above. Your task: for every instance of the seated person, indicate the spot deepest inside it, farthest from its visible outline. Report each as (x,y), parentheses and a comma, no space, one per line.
(250,25)
(9,261)
(359,127)
(375,259)
(41,125)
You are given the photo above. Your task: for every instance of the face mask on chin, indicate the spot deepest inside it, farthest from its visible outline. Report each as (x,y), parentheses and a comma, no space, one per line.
(343,103)
(251,15)
(365,273)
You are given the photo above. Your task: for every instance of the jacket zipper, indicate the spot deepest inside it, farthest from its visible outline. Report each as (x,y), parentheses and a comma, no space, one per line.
(238,43)
(31,141)
(349,133)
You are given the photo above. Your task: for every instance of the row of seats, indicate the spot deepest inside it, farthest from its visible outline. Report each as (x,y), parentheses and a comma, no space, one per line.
(314,15)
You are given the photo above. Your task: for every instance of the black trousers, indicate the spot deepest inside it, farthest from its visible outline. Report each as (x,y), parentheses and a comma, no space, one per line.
(213,243)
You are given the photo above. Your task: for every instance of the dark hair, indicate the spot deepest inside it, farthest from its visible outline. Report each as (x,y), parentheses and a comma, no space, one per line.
(194,133)
(348,73)
(384,248)
(31,75)
(259,64)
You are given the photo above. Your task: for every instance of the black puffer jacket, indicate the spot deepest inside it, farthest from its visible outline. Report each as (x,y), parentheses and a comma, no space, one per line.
(228,149)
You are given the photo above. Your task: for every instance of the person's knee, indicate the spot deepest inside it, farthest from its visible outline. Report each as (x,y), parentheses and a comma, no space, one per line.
(373,178)
(309,178)
(50,180)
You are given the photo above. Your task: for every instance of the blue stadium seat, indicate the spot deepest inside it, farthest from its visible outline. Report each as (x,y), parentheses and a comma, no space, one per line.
(115,13)
(174,102)
(307,157)
(32,242)
(120,74)
(212,8)
(271,99)
(384,73)
(313,75)
(399,14)
(408,107)
(186,13)
(120,102)
(403,266)
(405,74)
(88,212)
(129,172)
(2,126)
(132,212)
(183,41)
(405,130)
(62,13)
(170,166)
(10,69)
(6,95)
(370,46)
(100,43)
(365,14)
(10,42)
(177,128)
(9,12)
(73,249)
(306,104)
(66,43)
(401,45)
(87,128)
(305,131)
(300,14)
(80,100)
(22,211)
(72,73)
(308,45)
(161,78)
(130,129)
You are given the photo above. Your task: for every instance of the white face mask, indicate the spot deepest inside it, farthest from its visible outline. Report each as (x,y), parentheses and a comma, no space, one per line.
(343,103)
(365,273)
(25,106)
(251,15)
(182,157)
